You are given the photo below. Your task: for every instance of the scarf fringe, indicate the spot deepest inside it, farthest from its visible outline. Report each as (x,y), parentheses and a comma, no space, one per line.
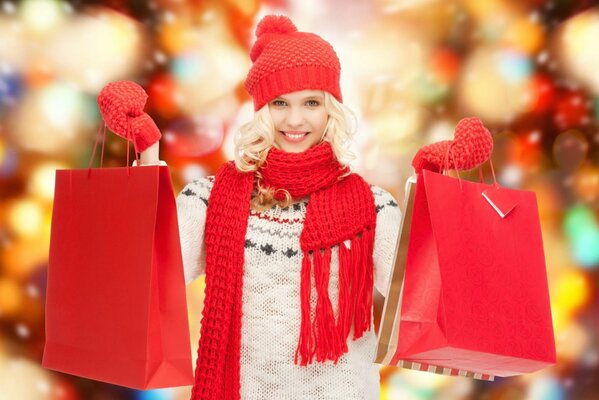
(322,337)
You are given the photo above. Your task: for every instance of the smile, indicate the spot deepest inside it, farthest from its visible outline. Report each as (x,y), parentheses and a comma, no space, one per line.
(294,136)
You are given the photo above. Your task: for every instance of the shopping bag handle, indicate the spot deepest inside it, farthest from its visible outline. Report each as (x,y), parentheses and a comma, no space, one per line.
(480,168)
(102,128)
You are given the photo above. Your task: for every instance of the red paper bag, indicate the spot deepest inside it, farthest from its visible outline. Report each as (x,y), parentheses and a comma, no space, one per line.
(474,299)
(116,308)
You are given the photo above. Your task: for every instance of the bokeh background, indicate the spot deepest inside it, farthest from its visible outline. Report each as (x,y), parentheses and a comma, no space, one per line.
(410,70)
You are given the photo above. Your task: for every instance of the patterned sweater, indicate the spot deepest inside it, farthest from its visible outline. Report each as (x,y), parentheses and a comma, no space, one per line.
(271,299)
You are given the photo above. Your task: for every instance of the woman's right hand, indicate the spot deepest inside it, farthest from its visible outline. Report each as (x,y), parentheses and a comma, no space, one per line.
(121,104)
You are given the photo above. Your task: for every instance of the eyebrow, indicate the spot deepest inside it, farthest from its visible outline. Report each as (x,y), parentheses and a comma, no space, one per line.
(318,97)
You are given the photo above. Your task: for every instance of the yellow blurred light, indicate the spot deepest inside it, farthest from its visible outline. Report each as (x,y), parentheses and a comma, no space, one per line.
(176,37)
(524,35)
(41,15)
(493,85)
(396,128)
(586,184)
(25,380)
(95,48)
(25,218)
(572,341)
(15,47)
(2,151)
(50,119)
(485,9)
(41,182)
(571,293)
(23,257)
(577,46)
(11,297)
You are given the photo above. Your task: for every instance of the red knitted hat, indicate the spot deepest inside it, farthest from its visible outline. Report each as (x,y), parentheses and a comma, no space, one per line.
(286,61)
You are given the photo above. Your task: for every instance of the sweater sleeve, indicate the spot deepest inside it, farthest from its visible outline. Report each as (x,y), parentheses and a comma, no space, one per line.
(192,203)
(388,220)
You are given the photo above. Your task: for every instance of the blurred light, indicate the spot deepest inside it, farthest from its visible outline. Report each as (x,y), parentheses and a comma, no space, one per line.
(515,67)
(571,293)
(545,388)
(191,172)
(41,181)
(396,128)
(440,130)
(542,93)
(585,245)
(163,96)
(22,258)
(156,394)
(586,184)
(445,65)
(572,341)
(399,64)
(511,176)
(427,90)
(194,137)
(208,73)
(15,48)
(24,380)
(38,74)
(577,45)
(188,66)
(98,47)
(11,88)
(525,150)
(11,297)
(570,149)
(41,15)
(495,84)
(60,105)
(177,37)
(51,119)
(25,218)
(572,110)
(22,331)
(8,160)
(524,34)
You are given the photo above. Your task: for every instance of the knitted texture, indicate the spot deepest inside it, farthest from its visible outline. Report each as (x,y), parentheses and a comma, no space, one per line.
(348,203)
(271,298)
(471,147)
(122,104)
(285,61)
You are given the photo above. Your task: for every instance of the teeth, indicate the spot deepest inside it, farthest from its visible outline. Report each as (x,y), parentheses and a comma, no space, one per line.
(295,135)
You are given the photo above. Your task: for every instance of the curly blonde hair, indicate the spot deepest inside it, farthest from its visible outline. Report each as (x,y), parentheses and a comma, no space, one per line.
(255,139)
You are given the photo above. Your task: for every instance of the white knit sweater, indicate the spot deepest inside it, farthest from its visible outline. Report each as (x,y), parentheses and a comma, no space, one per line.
(271,300)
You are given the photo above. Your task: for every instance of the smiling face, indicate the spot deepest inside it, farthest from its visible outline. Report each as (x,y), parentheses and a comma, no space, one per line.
(300,119)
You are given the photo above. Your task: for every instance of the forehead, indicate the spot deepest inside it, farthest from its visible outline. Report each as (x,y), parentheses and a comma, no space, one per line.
(301,94)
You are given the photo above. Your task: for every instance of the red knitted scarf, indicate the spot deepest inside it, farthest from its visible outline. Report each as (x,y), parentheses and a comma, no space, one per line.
(339,209)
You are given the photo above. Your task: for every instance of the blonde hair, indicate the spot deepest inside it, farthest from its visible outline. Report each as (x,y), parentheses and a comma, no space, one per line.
(255,139)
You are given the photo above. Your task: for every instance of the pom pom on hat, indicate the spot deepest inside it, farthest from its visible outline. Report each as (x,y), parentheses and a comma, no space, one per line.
(275,24)
(286,60)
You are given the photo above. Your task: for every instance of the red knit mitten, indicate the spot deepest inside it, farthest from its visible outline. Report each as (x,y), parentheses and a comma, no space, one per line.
(471,147)
(122,107)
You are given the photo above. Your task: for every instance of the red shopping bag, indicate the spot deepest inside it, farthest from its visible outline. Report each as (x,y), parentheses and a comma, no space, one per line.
(468,294)
(116,307)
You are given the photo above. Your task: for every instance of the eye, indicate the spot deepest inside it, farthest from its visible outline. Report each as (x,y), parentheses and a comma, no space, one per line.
(278,103)
(313,103)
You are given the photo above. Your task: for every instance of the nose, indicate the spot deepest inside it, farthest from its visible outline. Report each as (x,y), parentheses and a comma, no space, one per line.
(295,117)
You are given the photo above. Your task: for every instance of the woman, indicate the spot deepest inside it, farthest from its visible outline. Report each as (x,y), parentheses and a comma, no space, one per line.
(291,241)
